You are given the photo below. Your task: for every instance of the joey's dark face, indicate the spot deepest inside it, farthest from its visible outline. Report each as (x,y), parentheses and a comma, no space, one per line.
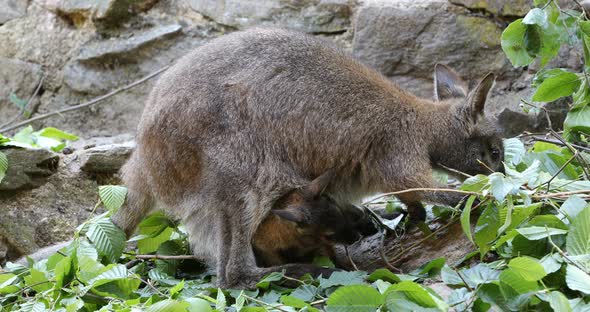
(346,224)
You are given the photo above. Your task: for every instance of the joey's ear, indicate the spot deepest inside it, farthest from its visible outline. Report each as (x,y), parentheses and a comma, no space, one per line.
(292,213)
(477,98)
(316,187)
(448,84)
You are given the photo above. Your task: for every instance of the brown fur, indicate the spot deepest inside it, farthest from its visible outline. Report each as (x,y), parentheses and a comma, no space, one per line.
(304,224)
(251,115)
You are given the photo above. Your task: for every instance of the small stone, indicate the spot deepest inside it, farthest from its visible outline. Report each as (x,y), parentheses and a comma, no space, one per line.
(28,168)
(105,158)
(498,7)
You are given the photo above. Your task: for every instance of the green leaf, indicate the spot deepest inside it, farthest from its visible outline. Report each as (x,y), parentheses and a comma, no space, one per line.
(577,279)
(559,302)
(293,302)
(573,206)
(3,165)
(108,239)
(168,305)
(64,272)
(486,228)
(475,184)
(577,120)
(397,294)
(272,277)
(578,239)
(220,302)
(306,292)
(114,282)
(536,16)
(513,44)
(37,280)
(198,305)
(176,289)
(57,134)
(466,218)
(512,284)
(513,151)
(384,274)
(528,268)
(112,196)
(538,232)
(551,263)
(342,278)
(563,84)
(355,298)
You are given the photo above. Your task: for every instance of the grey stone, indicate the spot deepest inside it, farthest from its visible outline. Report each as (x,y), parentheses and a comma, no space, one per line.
(498,7)
(124,47)
(104,13)
(105,158)
(11,9)
(28,168)
(100,66)
(405,39)
(45,215)
(322,16)
(20,78)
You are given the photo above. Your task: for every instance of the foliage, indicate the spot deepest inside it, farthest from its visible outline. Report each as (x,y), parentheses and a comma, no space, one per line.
(48,138)
(532,232)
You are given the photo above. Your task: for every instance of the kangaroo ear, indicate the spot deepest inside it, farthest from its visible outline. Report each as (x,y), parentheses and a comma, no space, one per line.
(292,213)
(477,99)
(316,187)
(448,84)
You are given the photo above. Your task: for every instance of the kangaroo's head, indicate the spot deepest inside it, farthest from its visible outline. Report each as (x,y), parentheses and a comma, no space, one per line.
(315,213)
(470,141)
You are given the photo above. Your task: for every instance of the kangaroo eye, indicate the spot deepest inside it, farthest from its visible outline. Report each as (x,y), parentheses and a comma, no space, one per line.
(495,153)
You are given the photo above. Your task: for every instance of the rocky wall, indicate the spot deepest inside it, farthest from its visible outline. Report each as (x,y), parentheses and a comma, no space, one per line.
(75,50)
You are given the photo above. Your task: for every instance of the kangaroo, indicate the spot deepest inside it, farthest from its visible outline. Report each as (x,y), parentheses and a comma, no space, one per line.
(306,223)
(243,119)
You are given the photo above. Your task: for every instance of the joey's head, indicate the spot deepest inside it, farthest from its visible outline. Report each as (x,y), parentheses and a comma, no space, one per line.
(315,213)
(470,141)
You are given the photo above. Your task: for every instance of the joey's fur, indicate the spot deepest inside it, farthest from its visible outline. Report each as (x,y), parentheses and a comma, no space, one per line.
(238,122)
(306,223)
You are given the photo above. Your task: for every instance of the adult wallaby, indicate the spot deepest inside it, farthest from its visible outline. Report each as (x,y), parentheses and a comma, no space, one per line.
(243,119)
(306,223)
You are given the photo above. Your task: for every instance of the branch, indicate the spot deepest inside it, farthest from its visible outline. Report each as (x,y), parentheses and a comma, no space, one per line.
(560,143)
(24,108)
(165,257)
(86,104)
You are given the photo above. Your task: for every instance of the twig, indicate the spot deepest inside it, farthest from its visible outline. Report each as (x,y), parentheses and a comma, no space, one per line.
(560,194)
(86,104)
(454,170)
(165,257)
(581,7)
(318,301)
(561,144)
(461,277)
(148,284)
(350,259)
(563,254)
(581,159)
(260,302)
(485,165)
(541,108)
(410,190)
(548,182)
(24,108)
(427,237)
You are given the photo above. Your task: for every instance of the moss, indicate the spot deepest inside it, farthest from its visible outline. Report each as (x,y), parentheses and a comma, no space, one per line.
(481,29)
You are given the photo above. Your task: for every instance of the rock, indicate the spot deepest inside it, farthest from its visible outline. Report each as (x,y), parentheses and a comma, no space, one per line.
(124,48)
(315,16)
(28,168)
(47,214)
(105,158)
(11,9)
(498,7)
(20,78)
(104,13)
(98,68)
(405,39)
